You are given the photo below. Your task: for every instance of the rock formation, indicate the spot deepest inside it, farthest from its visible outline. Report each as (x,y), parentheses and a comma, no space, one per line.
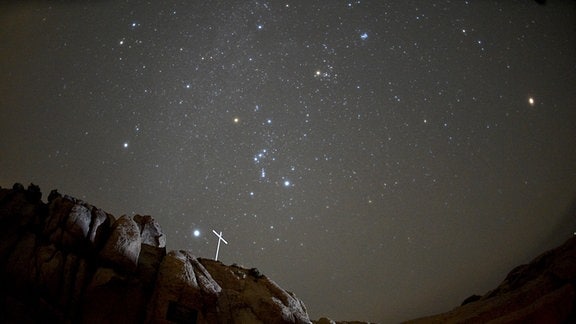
(68,261)
(543,291)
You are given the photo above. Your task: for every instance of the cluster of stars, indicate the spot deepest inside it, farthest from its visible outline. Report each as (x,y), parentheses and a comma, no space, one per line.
(350,126)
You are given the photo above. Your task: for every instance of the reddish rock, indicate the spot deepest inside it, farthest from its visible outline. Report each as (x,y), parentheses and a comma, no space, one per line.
(542,291)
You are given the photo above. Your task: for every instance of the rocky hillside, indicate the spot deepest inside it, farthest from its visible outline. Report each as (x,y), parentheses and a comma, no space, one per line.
(543,291)
(68,261)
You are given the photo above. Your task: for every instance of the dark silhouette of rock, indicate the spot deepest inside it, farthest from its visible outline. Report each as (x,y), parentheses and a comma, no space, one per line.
(68,261)
(470,299)
(53,195)
(543,291)
(325,320)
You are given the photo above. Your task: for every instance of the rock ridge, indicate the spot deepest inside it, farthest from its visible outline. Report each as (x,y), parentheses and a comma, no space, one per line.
(67,261)
(542,291)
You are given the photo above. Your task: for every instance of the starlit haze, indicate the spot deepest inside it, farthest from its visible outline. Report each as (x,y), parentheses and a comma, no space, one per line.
(383,160)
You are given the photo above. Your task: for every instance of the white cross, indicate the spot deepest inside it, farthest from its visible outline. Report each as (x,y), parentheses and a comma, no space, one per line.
(220,238)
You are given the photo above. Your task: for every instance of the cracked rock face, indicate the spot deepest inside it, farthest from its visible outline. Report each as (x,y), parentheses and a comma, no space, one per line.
(68,261)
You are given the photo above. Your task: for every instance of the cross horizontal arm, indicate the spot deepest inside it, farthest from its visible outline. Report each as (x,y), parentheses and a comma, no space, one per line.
(219,236)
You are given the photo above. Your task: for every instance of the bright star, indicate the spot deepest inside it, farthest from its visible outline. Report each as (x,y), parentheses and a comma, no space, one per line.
(531,101)
(196,233)
(286,183)
(364,36)
(236,120)
(125,144)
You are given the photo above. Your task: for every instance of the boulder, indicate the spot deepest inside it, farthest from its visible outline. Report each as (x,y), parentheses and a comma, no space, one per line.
(150,231)
(99,227)
(123,246)
(76,227)
(183,292)
(253,299)
(58,212)
(111,297)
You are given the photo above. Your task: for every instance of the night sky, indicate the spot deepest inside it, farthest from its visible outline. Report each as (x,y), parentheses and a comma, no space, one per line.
(383,160)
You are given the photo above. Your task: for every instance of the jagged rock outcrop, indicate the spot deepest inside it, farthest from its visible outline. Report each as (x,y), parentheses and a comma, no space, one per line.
(543,291)
(68,261)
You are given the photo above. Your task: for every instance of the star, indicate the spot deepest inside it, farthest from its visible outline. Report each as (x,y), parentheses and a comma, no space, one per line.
(312,118)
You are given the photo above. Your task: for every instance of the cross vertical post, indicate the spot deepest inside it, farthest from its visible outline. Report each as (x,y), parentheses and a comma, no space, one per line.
(220,238)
